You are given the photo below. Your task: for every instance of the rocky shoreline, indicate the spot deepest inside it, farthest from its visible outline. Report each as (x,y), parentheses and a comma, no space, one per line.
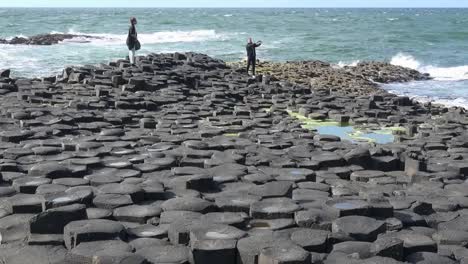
(183,159)
(360,79)
(44,39)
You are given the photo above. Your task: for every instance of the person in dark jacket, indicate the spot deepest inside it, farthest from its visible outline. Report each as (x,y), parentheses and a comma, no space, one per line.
(251,54)
(132,40)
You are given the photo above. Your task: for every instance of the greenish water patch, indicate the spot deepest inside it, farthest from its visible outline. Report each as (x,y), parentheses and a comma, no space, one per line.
(232,135)
(382,135)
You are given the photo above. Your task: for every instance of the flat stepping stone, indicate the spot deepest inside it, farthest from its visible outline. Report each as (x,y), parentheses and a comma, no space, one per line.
(154,190)
(179,230)
(87,146)
(165,254)
(148,231)
(249,248)
(188,204)
(10,176)
(145,242)
(118,164)
(97,249)
(52,170)
(409,218)
(311,240)
(136,213)
(7,191)
(296,175)
(390,247)
(15,227)
(134,191)
(25,204)
(328,160)
(216,232)
(228,218)
(127,173)
(273,189)
(271,224)
(274,208)
(112,132)
(112,201)
(366,175)
(92,230)
(258,178)
(284,252)
(53,221)
(14,153)
(98,213)
(29,184)
(414,242)
(46,150)
(305,195)
(362,249)
(451,237)
(71,182)
(314,218)
(101,179)
(172,216)
(36,254)
(93,161)
(79,194)
(360,228)
(458,223)
(51,189)
(428,258)
(346,207)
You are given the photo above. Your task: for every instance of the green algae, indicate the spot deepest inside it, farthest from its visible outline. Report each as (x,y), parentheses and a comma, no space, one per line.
(231,135)
(310,123)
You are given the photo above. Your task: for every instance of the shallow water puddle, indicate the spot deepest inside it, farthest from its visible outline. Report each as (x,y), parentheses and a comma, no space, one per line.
(348,132)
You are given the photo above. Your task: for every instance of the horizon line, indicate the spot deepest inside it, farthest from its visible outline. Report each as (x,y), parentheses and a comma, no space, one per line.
(237,7)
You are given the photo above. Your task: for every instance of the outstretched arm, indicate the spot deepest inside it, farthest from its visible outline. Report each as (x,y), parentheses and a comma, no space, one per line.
(258,44)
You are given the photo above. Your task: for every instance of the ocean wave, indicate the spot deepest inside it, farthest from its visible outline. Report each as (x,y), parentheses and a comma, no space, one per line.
(147,38)
(448,102)
(438,73)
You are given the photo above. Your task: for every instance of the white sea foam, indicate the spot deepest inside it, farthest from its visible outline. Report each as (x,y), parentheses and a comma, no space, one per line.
(342,64)
(148,38)
(438,73)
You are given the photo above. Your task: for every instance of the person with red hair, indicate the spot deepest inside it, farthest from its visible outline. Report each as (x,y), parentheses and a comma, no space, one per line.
(132,41)
(251,54)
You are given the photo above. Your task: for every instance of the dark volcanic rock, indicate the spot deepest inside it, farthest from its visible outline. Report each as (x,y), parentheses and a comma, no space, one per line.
(180,158)
(46,39)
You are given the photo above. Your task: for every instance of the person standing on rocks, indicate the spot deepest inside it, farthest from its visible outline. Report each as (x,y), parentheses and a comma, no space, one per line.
(132,41)
(251,54)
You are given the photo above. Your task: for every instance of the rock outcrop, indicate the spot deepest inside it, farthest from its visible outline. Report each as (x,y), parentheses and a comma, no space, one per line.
(44,39)
(361,79)
(182,159)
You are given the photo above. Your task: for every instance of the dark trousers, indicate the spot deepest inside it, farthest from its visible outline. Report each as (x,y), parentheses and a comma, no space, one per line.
(251,61)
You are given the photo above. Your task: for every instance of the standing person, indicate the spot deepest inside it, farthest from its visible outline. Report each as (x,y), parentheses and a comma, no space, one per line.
(252,55)
(132,41)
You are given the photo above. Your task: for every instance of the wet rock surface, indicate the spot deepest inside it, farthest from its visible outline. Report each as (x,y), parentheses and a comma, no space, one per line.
(181,159)
(46,39)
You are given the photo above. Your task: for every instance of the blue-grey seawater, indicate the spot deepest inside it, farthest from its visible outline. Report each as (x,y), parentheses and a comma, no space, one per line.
(429,40)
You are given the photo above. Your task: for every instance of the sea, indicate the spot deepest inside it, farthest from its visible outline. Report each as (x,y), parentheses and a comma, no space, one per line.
(429,40)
